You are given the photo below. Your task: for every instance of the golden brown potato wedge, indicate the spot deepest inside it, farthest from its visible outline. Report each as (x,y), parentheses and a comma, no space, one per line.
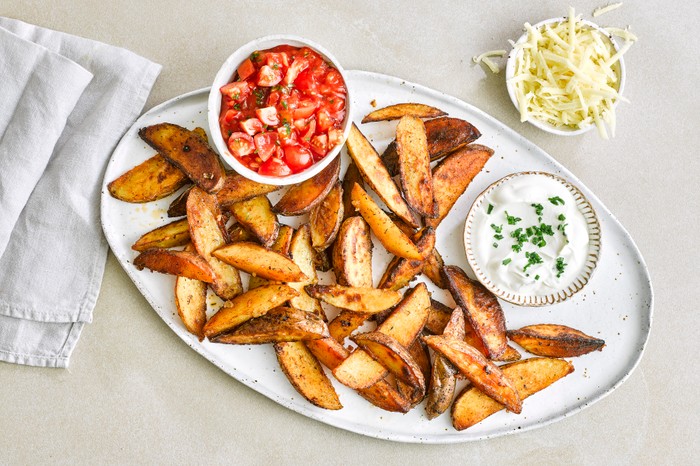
(386,231)
(151,180)
(277,325)
(323,261)
(453,175)
(325,218)
(180,263)
(206,223)
(303,255)
(400,271)
(173,234)
(359,370)
(556,341)
(191,302)
(419,353)
(255,259)
(481,308)
(383,395)
(432,268)
(237,233)
(358,299)
(528,376)
(253,303)
(445,135)
(480,371)
(438,316)
(178,208)
(188,151)
(373,171)
(442,379)
(394,112)
(238,188)
(509,355)
(256,216)
(281,246)
(301,198)
(306,375)
(352,176)
(414,166)
(352,253)
(328,351)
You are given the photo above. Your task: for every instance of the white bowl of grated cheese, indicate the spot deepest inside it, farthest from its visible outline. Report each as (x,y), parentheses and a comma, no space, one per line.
(566,75)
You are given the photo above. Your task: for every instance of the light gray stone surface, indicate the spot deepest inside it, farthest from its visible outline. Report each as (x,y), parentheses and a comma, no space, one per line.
(134,393)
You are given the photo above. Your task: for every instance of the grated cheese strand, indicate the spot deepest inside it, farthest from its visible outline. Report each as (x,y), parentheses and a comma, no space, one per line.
(601,10)
(485,58)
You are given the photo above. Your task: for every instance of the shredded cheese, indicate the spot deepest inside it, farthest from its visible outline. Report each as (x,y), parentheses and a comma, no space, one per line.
(485,58)
(567,74)
(601,10)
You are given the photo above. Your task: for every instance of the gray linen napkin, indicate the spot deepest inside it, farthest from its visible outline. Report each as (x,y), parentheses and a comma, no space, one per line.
(53,261)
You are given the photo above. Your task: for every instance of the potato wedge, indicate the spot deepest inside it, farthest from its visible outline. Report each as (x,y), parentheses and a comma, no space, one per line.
(419,353)
(509,355)
(481,308)
(557,341)
(444,134)
(173,234)
(453,175)
(443,378)
(178,208)
(414,166)
(394,112)
(400,271)
(238,188)
(301,198)
(253,303)
(281,246)
(191,302)
(352,253)
(188,151)
(306,375)
(303,255)
(206,223)
(391,237)
(328,351)
(256,216)
(438,316)
(359,370)
(432,268)
(277,325)
(528,376)
(237,233)
(352,176)
(180,263)
(383,395)
(325,218)
(255,259)
(358,299)
(373,171)
(151,180)
(480,371)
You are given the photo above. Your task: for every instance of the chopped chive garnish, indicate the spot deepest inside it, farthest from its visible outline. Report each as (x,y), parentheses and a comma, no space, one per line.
(532,259)
(506,261)
(556,200)
(560,266)
(538,209)
(561,217)
(511,219)
(489,209)
(537,277)
(495,245)
(497,228)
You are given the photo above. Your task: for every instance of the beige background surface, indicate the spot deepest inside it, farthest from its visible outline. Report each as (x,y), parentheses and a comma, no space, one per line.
(135,393)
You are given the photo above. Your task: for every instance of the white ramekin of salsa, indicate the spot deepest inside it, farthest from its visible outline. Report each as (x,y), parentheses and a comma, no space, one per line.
(532,238)
(279,109)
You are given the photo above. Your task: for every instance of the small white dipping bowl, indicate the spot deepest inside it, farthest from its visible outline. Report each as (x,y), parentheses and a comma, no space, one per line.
(510,72)
(225,75)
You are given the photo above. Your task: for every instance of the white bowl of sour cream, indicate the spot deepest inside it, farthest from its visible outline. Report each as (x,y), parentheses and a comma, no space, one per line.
(532,238)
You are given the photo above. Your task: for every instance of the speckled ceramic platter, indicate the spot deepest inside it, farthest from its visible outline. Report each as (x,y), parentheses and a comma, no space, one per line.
(616,305)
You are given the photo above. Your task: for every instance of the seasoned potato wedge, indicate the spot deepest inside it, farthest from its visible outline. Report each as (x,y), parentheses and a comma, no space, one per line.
(180,263)
(373,171)
(359,299)
(557,341)
(509,355)
(352,176)
(306,375)
(386,231)
(191,302)
(432,268)
(153,179)
(238,188)
(400,271)
(301,198)
(256,216)
(328,351)
(445,135)
(481,308)
(178,208)
(303,255)
(452,177)
(206,222)
(255,259)
(253,303)
(442,385)
(480,371)
(277,325)
(325,218)
(419,353)
(173,234)
(237,233)
(394,112)
(414,166)
(528,376)
(323,261)
(386,397)
(359,371)
(281,246)
(188,151)
(352,253)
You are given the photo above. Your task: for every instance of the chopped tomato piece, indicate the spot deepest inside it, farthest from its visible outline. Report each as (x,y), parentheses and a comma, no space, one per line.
(324,120)
(277,60)
(251,126)
(268,116)
(335,137)
(309,131)
(268,77)
(305,108)
(285,134)
(319,144)
(246,69)
(305,81)
(298,158)
(274,167)
(298,65)
(265,144)
(335,80)
(240,144)
(236,91)
(232,115)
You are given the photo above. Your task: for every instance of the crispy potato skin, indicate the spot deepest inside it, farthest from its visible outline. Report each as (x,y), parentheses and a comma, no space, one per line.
(414,166)
(359,299)
(352,253)
(237,188)
(178,208)
(432,268)
(528,376)
(301,198)
(326,217)
(255,259)
(256,216)
(153,179)
(443,378)
(400,271)
(438,316)
(188,151)
(394,112)
(303,255)
(352,176)
(180,263)
(558,341)
(173,234)
(191,302)
(277,325)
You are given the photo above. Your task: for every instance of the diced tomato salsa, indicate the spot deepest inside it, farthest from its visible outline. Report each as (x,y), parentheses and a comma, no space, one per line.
(283,110)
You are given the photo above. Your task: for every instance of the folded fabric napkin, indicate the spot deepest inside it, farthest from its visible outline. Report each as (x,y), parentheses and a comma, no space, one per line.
(66,102)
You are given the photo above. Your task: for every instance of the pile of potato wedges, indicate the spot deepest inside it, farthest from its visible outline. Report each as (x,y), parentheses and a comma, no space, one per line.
(390,341)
